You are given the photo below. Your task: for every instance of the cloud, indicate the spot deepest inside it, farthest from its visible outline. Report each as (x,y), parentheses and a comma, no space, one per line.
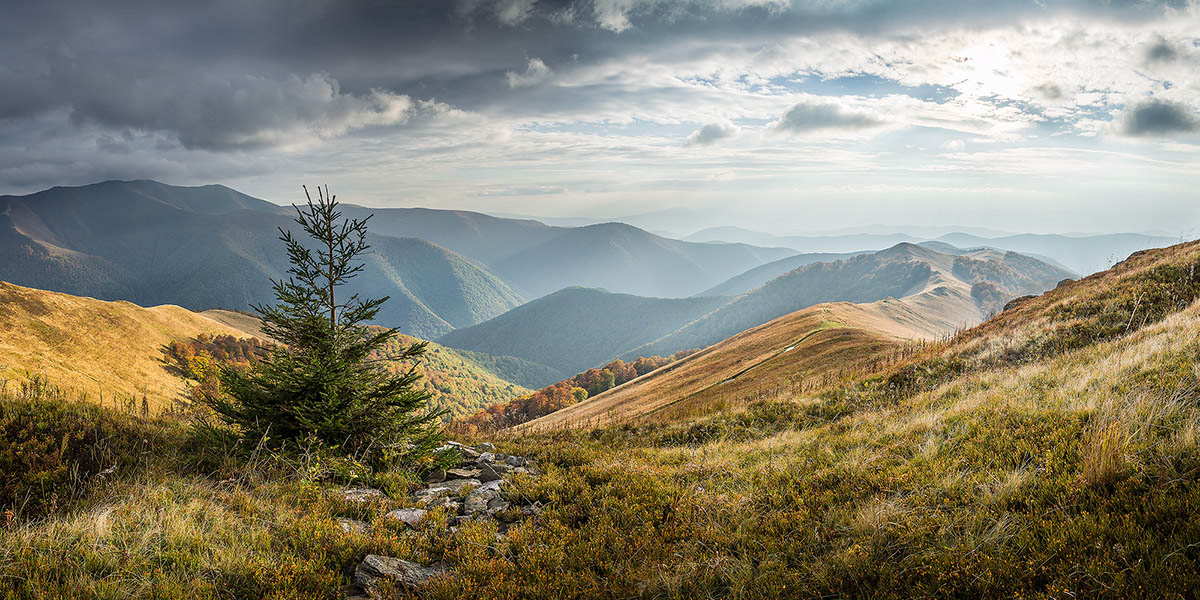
(955,145)
(711,133)
(536,72)
(811,115)
(514,12)
(241,111)
(1155,117)
(1048,91)
(1160,51)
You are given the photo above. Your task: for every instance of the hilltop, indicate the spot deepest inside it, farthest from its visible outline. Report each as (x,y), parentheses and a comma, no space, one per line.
(105,350)
(951,290)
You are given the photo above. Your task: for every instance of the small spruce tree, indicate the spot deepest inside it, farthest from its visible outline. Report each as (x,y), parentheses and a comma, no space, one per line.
(320,383)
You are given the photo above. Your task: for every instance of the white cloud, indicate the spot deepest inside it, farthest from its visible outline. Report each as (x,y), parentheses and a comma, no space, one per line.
(824,115)
(536,72)
(711,133)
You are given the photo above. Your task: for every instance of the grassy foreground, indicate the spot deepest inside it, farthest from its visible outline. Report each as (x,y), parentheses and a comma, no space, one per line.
(1053,452)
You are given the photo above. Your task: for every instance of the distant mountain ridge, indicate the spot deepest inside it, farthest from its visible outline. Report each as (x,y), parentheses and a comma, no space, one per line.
(927,291)
(953,289)
(213,247)
(577,328)
(1084,254)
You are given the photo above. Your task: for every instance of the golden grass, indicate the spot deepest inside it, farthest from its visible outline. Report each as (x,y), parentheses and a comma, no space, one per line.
(92,347)
(799,352)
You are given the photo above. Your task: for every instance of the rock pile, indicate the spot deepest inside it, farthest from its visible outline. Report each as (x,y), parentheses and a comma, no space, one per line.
(471,490)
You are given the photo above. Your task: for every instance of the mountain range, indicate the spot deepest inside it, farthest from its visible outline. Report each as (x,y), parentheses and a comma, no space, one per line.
(1084,254)
(213,247)
(577,329)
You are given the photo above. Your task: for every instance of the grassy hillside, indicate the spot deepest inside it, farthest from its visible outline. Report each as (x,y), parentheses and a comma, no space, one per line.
(960,290)
(1049,453)
(801,351)
(458,383)
(94,347)
(109,349)
(577,328)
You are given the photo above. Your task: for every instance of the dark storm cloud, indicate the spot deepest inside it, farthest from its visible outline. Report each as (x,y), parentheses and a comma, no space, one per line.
(228,76)
(97,57)
(1159,118)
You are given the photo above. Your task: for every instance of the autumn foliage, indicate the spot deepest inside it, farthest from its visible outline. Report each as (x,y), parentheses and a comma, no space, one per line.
(566,392)
(199,360)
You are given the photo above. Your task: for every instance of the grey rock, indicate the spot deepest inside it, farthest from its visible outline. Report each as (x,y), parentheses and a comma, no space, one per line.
(404,574)
(496,505)
(477,502)
(432,493)
(352,525)
(456,486)
(410,516)
(462,474)
(363,494)
(451,504)
(488,473)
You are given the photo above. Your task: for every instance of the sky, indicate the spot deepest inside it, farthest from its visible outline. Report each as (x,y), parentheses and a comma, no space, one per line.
(787,116)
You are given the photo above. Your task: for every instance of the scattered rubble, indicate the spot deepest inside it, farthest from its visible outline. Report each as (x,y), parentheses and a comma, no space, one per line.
(471,490)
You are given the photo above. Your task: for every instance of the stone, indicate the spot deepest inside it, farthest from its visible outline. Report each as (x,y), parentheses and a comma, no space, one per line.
(486,457)
(488,473)
(477,501)
(436,476)
(352,525)
(409,516)
(462,474)
(496,505)
(404,574)
(469,453)
(456,486)
(430,494)
(451,504)
(363,494)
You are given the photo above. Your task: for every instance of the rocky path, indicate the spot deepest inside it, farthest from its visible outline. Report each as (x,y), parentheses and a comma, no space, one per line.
(474,489)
